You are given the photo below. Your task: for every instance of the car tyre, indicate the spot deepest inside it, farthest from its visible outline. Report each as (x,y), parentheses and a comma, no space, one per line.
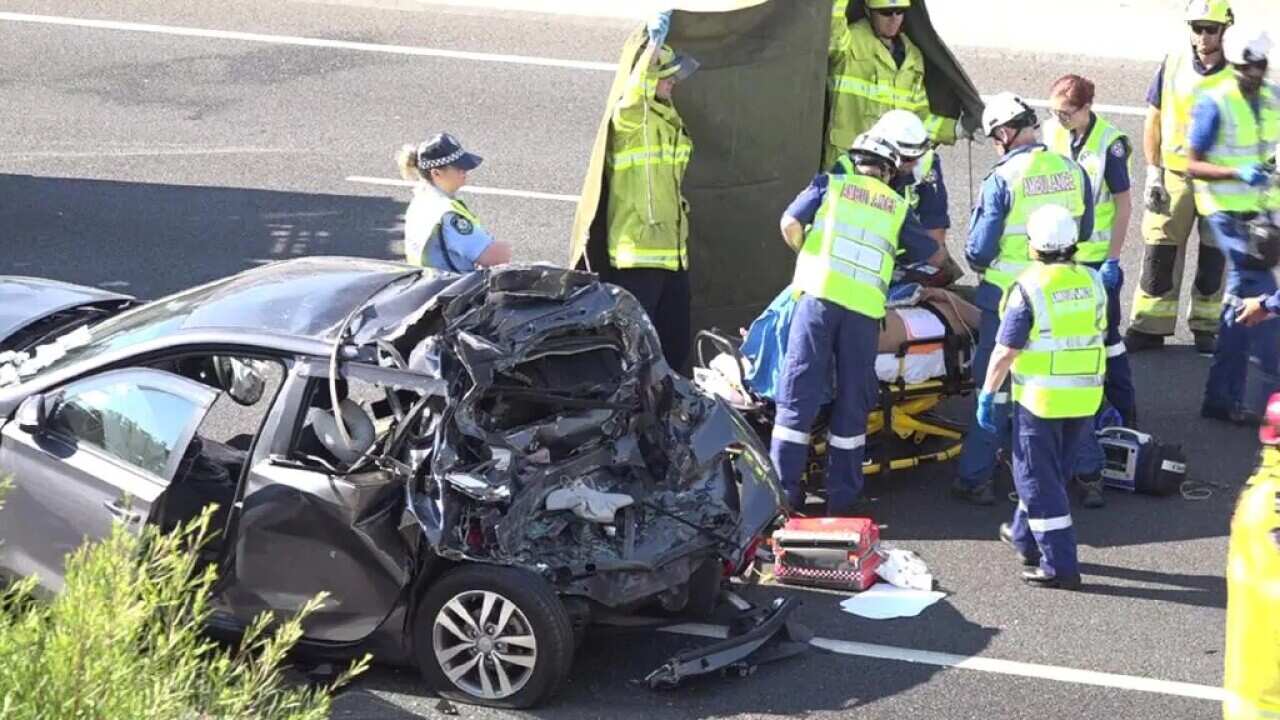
(493,636)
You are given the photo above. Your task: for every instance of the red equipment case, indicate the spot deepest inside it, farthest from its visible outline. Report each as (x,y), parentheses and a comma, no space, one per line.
(835,552)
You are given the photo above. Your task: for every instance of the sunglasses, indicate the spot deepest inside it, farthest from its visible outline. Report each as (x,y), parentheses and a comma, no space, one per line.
(891,12)
(1206,28)
(1063,116)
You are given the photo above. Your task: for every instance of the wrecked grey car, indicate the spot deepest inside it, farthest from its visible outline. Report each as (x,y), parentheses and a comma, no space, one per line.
(475,467)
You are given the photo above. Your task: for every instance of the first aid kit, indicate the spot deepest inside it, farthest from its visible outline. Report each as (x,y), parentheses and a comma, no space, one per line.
(1138,462)
(834,552)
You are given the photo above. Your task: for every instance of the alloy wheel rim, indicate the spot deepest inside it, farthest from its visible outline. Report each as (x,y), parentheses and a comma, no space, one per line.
(484,644)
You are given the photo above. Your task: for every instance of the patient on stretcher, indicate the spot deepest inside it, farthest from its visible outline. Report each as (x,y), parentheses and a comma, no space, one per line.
(914,313)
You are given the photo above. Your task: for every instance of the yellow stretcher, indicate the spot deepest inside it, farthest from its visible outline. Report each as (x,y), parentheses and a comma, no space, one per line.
(916,434)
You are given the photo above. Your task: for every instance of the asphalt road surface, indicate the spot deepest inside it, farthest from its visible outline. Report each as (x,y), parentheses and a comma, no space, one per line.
(148,161)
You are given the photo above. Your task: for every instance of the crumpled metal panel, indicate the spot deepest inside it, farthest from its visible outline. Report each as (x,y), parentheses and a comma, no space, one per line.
(552,378)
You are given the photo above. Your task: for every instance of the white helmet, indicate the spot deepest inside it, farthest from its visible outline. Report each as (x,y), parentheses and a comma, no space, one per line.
(1007,109)
(1052,229)
(1242,46)
(878,151)
(904,130)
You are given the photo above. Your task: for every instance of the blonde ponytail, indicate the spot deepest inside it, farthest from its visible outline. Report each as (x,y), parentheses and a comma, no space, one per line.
(407,161)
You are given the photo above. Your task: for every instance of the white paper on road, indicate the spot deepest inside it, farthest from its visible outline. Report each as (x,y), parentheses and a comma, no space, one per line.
(885,602)
(904,569)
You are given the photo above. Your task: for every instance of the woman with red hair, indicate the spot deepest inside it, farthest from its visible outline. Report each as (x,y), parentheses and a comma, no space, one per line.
(1103,150)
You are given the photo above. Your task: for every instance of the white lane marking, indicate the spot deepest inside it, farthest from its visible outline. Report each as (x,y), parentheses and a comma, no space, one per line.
(381,48)
(532,194)
(303,41)
(989,665)
(110,153)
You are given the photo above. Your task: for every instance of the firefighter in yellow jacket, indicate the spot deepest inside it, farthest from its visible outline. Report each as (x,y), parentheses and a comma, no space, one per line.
(648,216)
(873,67)
(1186,74)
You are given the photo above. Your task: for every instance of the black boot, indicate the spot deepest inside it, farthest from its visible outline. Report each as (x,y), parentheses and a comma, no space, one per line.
(983,494)
(1089,490)
(1006,536)
(1205,342)
(1135,341)
(1040,579)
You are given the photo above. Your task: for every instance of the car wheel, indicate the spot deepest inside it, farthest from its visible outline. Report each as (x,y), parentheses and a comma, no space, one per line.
(494,636)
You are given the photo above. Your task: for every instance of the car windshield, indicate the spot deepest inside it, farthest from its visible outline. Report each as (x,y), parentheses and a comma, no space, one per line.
(129,328)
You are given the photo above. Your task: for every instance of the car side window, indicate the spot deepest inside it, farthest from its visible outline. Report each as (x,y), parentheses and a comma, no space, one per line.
(133,423)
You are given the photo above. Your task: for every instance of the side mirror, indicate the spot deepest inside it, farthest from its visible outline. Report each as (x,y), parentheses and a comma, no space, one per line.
(31,415)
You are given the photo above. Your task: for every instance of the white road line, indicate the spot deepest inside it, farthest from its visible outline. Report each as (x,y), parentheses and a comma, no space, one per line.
(380,48)
(989,665)
(107,152)
(471,189)
(303,41)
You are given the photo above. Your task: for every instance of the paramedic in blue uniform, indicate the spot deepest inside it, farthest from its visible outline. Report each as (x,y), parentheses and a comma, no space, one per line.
(1027,176)
(1103,151)
(847,227)
(921,182)
(440,231)
(920,179)
(1051,339)
(1234,130)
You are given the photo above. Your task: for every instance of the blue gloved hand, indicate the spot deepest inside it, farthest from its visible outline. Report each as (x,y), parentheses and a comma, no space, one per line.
(1255,175)
(987,411)
(1112,274)
(658,26)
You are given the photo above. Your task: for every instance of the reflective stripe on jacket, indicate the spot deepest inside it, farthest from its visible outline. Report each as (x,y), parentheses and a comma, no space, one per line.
(864,83)
(1093,160)
(1181,88)
(848,254)
(1035,178)
(1244,138)
(649,152)
(1059,374)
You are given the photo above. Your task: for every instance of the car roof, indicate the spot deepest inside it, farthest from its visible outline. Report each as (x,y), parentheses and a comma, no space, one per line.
(23,299)
(300,298)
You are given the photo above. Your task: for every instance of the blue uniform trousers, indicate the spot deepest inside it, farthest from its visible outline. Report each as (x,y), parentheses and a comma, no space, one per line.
(1118,388)
(1043,453)
(978,454)
(1225,387)
(825,340)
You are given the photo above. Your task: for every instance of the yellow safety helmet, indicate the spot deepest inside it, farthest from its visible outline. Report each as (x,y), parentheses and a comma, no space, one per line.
(887,4)
(1218,11)
(674,64)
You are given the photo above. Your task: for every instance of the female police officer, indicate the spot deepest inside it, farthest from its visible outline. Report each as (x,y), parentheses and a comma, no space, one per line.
(439,230)
(1051,338)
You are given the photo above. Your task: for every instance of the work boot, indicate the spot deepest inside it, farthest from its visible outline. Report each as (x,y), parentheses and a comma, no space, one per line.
(1205,342)
(1137,341)
(983,494)
(1038,578)
(1089,490)
(1006,536)
(1236,415)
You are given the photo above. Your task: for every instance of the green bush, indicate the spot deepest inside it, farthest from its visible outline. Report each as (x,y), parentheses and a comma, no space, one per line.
(123,641)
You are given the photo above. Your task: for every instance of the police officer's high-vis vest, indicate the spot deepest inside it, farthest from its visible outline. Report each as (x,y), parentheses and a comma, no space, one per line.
(865,83)
(1244,138)
(649,151)
(1059,374)
(848,254)
(1035,178)
(1093,159)
(433,206)
(1181,87)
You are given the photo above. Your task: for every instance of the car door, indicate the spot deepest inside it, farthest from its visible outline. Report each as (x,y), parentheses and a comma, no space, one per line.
(108,447)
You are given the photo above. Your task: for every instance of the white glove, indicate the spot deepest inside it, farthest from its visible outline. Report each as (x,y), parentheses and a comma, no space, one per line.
(1156,196)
